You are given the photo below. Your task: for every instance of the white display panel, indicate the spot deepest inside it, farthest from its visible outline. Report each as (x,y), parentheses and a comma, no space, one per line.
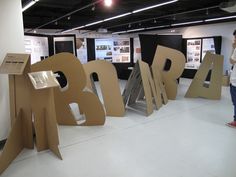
(103,49)
(114,50)
(137,50)
(208,45)
(36,46)
(64,44)
(193,54)
(121,51)
(81,47)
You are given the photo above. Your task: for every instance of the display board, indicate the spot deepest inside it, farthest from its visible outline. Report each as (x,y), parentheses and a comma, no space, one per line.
(64,44)
(103,49)
(37,46)
(137,50)
(193,53)
(81,47)
(113,50)
(208,45)
(121,51)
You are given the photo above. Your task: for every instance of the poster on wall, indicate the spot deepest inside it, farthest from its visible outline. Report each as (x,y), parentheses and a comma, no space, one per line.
(37,46)
(137,49)
(208,45)
(81,47)
(103,49)
(113,50)
(193,54)
(121,51)
(64,44)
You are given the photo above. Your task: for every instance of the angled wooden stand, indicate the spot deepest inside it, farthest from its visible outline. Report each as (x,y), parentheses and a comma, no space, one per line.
(22,95)
(44,111)
(21,135)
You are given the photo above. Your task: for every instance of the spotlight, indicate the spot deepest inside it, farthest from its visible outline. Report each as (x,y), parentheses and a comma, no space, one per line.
(108,3)
(69,17)
(93,8)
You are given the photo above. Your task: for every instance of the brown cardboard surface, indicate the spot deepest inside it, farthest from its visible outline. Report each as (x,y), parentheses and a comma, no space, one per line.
(14,144)
(17,66)
(211,90)
(159,87)
(45,120)
(177,66)
(110,88)
(148,86)
(14,63)
(76,78)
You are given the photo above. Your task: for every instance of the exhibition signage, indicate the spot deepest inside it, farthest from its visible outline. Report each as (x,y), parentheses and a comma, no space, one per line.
(193,54)
(113,50)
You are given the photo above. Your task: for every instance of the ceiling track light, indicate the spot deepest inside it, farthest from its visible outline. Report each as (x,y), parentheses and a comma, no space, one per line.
(154,6)
(30,4)
(141,29)
(220,18)
(129,13)
(108,3)
(187,23)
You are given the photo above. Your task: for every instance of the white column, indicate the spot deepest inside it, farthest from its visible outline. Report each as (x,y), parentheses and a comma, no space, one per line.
(11,41)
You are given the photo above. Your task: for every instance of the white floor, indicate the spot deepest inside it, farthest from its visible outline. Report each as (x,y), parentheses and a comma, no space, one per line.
(185,138)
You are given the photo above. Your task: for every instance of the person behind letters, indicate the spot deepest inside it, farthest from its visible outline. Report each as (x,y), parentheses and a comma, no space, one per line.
(233,81)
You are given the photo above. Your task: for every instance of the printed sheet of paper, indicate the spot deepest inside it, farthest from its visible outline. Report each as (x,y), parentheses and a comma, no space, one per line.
(43,79)
(14,64)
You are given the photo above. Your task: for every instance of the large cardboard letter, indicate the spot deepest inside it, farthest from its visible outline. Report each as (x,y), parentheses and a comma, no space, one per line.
(159,86)
(177,66)
(140,85)
(88,102)
(211,90)
(110,88)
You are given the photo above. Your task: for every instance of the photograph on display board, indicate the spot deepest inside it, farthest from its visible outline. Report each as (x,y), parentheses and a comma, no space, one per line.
(208,45)
(103,49)
(37,46)
(193,54)
(121,50)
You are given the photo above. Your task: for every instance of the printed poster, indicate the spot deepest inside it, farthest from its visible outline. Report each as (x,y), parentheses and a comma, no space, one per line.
(208,45)
(37,47)
(193,54)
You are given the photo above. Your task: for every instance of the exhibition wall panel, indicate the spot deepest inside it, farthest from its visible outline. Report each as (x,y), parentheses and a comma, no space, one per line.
(12,40)
(219,29)
(195,50)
